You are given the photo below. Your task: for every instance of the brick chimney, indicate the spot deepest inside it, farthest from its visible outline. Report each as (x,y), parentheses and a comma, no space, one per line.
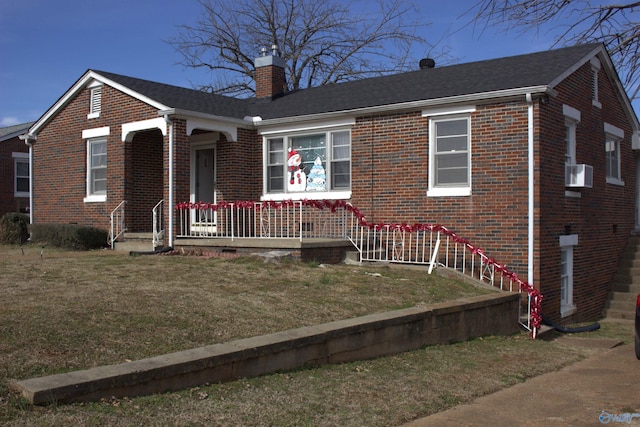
(270,78)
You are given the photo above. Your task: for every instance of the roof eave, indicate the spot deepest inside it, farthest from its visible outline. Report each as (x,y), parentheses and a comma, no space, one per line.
(187,114)
(413,105)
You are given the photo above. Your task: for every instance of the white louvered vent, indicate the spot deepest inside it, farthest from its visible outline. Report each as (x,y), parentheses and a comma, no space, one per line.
(96,102)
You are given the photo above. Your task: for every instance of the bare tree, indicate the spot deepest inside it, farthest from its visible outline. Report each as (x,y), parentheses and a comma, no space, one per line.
(617,25)
(321,41)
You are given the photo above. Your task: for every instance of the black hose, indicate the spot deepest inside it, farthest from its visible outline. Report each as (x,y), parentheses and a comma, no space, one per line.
(566,330)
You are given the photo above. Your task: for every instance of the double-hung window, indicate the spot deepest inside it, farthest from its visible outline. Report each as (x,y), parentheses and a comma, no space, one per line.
(96,139)
(97,168)
(450,156)
(21,174)
(613,136)
(308,165)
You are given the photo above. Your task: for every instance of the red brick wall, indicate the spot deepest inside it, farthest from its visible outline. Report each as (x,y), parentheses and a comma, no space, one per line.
(9,203)
(603,216)
(390,158)
(390,180)
(60,159)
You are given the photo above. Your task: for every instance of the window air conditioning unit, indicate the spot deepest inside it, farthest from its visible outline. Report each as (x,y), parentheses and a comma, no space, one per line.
(579,176)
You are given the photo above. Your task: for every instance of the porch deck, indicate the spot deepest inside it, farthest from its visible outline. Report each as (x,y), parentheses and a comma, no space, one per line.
(326,250)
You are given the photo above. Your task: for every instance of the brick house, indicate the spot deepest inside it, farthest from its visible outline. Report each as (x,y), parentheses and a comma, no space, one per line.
(14,169)
(531,157)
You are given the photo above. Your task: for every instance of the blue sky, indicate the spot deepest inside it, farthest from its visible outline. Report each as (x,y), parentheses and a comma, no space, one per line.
(47,45)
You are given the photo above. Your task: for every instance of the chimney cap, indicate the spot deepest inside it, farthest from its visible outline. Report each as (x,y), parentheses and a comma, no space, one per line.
(427,63)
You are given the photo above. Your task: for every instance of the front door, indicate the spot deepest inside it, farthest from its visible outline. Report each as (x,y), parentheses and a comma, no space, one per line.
(205,187)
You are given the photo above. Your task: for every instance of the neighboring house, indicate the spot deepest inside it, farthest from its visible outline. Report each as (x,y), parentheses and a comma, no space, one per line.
(532,158)
(14,170)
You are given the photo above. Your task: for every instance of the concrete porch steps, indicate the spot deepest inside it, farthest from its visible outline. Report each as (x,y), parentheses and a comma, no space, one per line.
(134,242)
(626,284)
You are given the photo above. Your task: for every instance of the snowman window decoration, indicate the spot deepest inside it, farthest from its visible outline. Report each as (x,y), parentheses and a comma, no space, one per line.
(297,178)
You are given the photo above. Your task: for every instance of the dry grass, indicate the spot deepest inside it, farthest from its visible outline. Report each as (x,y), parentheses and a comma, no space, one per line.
(63,311)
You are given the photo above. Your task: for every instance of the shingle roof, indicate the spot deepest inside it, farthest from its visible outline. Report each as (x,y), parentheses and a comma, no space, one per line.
(183,98)
(522,71)
(13,131)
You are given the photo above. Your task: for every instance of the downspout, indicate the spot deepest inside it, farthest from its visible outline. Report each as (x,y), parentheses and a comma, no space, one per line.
(29,139)
(531,195)
(170,123)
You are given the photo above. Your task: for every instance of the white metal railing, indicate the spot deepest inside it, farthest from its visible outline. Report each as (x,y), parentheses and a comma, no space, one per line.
(436,246)
(158,228)
(282,220)
(117,224)
(426,244)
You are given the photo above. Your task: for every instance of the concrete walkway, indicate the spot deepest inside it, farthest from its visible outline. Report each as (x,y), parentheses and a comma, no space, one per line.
(602,389)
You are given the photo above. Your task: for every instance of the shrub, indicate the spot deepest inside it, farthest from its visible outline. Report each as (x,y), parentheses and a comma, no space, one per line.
(69,236)
(14,228)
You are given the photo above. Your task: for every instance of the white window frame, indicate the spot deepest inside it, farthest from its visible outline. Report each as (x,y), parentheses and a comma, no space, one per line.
(20,158)
(287,136)
(439,116)
(95,100)
(567,245)
(571,119)
(94,136)
(613,137)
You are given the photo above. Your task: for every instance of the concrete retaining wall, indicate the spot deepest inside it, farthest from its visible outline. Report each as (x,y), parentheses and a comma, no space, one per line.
(341,341)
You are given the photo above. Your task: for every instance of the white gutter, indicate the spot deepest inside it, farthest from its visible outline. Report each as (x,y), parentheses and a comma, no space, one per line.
(29,139)
(170,123)
(530,186)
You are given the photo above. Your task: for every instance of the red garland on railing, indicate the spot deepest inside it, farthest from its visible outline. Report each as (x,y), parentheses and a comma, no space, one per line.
(333,205)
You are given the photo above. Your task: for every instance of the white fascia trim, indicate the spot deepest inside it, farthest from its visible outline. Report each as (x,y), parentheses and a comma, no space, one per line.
(177,113)
(569,71)
(129,128)
(414,105)
(95,132)
(88,78)
(569,240)
(301,127)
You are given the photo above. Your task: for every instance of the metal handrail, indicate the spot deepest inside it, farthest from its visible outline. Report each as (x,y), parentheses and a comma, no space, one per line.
(118,226)
(158,229)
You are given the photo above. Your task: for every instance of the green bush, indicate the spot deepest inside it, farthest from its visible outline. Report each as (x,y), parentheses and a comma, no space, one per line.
(69,236)
(14,228)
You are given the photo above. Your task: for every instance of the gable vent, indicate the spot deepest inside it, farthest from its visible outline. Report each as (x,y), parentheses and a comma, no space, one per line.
(96,100)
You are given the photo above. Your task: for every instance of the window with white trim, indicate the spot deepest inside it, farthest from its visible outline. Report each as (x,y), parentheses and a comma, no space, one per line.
(567,243)
(613,136)
(21,174)
(449,156)
(97,167)
(317,162)
(95,104)
(571,119)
